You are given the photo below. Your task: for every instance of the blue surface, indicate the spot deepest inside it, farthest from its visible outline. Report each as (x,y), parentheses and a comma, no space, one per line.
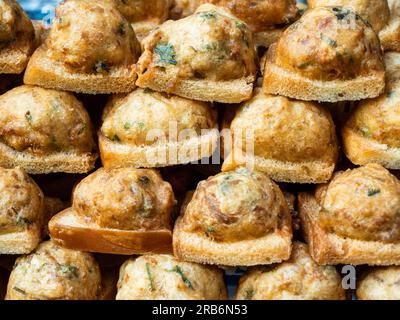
(40,9)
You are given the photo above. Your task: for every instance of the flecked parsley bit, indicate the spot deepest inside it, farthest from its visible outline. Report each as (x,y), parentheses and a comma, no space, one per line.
(185,280)
(166,53)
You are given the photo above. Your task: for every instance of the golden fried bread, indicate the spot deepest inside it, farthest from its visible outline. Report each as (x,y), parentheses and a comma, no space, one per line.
(17,37)
(354,218)
(54,273)
(91,48)
(208,56)
(21,212)
(330,54)
(160,277)
(380,284)
(44,130)
(293,141)
(118,211)
(264,18)
(299,278)
(144,15)
(237,218)
(371,133)
(185,130)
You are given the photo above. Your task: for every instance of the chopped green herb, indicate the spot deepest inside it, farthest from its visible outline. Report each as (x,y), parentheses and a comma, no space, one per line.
(328,40)
(101,66)
(366,132)
(28,117)
(150,276)
(179,270)
(19,290)
(144,179)
(304,65)
(71,272)
(391,94)
(330,269)
(147,90)
(121,29)
(209,230)
(115,138)
(340,12)
(166,53)
(129,125)
(241,25)
(373,191)
(23,221)
(248,294)
(207,15)
(81,130)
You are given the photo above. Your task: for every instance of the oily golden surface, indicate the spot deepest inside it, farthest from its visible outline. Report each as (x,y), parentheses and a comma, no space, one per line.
(54,273)
(130,118)
(210,44)
(285,129)
(21,200)
(330,43)
(299,278)
(234,206)
(380,284)
(143,10)
(362,204)
(163,277)
(43,121)
(258,14)
(91,37)
(13,22)
(126,199)
(376,12)
(379,119)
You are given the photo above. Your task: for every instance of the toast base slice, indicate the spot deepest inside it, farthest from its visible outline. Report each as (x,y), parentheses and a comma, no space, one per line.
(330,249)
(57,162)
(302,172)
(21,241)
(14,58)
(115,154)
(280,81)
(234,91)
(390,35)
(361,150)
(69,230)
(271,248)
(45,72)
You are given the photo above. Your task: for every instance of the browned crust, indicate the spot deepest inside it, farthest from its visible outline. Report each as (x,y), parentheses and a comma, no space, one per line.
(68,230)
(329,249)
